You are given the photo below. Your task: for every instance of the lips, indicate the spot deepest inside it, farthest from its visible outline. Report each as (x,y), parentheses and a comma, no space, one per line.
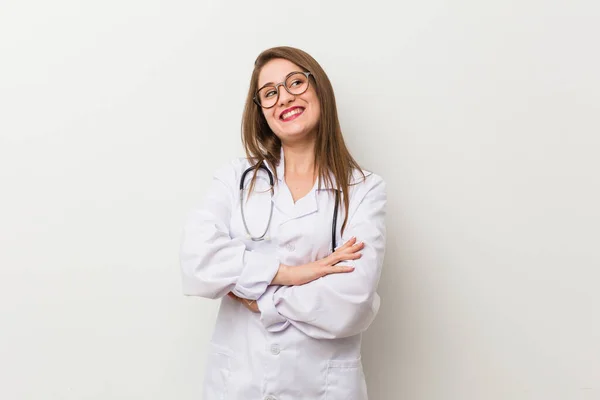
(291,113)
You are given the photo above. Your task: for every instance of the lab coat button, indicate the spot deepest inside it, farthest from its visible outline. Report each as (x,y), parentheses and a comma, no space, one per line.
(275,349)
(290,247)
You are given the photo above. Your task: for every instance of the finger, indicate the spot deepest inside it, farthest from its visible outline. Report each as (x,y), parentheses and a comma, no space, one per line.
(250,305)
(354,248)
(347,256)
(348,247)
(352,256)
(349,243)
(357,246)
(339,269)
(233,296)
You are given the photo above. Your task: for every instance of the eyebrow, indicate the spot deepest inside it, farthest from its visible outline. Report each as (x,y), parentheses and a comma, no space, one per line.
(266,84)
(284,79)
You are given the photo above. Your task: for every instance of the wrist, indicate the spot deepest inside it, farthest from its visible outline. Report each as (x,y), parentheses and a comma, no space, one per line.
(281,276)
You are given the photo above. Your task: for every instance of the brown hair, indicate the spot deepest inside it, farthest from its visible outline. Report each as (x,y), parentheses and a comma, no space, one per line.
(331,154)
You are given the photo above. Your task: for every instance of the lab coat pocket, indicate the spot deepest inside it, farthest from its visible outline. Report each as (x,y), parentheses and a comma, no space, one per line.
(345,380)
(218,370)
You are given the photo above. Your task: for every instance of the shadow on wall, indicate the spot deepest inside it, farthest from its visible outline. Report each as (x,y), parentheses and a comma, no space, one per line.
(387,340)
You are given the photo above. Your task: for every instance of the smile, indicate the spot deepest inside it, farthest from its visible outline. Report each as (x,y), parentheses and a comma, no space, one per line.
(291,113)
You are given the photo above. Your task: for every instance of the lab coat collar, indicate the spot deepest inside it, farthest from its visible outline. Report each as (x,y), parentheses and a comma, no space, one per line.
(283,198)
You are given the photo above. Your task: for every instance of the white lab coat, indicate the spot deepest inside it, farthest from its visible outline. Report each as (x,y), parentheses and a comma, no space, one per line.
(305,342)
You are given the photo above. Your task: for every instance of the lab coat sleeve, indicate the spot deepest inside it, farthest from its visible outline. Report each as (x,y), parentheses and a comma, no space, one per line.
(212,262)
(337,305)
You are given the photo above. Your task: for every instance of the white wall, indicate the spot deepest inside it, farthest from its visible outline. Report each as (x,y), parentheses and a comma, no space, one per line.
(483,117)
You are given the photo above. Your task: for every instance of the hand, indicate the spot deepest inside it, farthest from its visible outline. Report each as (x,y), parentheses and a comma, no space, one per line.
(251,305)
(294,276)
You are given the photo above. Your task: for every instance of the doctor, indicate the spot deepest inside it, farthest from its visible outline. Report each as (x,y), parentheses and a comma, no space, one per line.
(292,309)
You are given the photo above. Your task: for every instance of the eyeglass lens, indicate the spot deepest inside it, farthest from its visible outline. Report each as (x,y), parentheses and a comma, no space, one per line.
(295,84)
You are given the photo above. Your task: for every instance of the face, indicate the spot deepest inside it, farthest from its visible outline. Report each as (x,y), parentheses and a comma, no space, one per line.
(293,117)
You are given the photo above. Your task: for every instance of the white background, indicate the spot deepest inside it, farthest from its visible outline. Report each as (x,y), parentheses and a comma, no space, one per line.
(483,117)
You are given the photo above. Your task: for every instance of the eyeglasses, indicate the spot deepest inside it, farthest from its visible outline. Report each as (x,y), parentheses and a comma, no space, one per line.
(295,84)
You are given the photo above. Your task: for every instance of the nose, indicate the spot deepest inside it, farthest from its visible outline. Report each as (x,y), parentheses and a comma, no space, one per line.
(284,96)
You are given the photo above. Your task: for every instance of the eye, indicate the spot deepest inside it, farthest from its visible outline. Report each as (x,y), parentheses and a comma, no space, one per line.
(295,83)
(270,93)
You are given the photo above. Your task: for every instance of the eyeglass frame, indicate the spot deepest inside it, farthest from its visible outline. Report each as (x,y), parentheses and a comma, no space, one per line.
(276,86)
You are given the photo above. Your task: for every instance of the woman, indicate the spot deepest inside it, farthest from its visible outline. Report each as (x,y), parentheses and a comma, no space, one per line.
(292,309)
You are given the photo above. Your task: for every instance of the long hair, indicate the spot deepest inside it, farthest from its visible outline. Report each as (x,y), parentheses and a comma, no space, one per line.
(331,154)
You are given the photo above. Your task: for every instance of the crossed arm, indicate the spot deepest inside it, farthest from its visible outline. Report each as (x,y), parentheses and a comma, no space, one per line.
(331,305)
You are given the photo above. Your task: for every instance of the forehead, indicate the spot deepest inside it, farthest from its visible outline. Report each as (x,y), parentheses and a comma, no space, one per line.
(276,70)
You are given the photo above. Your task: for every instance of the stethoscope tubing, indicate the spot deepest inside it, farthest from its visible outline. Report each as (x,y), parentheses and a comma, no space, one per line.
(272,182)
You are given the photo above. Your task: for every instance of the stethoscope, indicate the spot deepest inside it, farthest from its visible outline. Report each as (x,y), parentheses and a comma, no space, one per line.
(272,182)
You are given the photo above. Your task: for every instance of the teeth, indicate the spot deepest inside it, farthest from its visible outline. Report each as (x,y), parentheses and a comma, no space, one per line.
(293,112)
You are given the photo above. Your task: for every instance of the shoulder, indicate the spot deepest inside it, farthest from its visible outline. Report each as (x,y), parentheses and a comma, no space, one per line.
(367,192)
(231,171)
(364,182)
(367,198)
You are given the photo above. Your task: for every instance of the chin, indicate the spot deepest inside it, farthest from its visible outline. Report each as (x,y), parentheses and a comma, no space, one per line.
(291,131)
(299,130)
(295,136)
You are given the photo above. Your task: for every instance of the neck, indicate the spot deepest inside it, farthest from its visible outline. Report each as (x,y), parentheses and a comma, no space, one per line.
(299,158)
